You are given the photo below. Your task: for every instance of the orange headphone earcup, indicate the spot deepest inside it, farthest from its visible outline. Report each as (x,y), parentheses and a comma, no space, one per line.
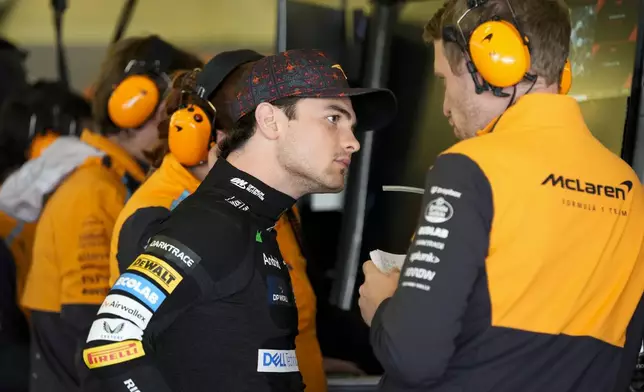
(499,53)
(566,78)
(189,135)
(133,101)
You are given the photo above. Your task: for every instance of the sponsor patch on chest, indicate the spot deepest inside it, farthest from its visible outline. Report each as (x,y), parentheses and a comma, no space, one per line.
(279,293)
(277,361)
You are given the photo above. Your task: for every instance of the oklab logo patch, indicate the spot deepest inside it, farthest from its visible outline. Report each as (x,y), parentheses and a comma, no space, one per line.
(141,288)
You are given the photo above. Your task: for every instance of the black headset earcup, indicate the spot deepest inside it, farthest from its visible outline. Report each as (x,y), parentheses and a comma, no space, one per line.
(68,125)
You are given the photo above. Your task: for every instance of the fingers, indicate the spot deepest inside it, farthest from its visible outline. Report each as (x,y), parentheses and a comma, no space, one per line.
(368,267)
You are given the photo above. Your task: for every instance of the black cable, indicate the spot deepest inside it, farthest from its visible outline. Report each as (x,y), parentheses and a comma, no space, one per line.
(124,20)
(59,7)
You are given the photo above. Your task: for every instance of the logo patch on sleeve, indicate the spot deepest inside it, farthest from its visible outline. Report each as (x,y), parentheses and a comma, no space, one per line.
(115,330)
(438,210)
(113,353)
(127,308)
(173,250)
(141,288)
(158,270)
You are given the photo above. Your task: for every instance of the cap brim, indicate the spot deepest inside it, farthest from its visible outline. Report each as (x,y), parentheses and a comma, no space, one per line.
(375,108)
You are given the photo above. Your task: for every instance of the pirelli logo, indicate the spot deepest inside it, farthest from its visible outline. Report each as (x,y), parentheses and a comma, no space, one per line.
(111,354)
(158,270)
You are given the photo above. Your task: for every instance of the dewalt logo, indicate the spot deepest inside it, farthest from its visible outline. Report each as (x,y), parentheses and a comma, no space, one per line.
(574,184)
(158,270)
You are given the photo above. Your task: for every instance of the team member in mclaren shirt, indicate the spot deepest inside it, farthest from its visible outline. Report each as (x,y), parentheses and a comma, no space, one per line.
(526,267)
(212,308)
(67,280)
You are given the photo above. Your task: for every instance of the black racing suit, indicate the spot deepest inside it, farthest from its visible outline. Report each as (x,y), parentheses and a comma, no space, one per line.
(208,306)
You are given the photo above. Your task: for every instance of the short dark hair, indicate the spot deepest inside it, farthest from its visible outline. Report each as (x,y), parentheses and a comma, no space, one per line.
(545,22)
(245,127)
(118,56)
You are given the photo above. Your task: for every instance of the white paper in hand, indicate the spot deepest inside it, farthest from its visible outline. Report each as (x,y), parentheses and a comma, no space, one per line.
(386,262)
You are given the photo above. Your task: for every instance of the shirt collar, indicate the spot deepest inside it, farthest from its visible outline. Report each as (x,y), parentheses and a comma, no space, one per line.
(237,185)
(121,161)
(178,173)
(538,111)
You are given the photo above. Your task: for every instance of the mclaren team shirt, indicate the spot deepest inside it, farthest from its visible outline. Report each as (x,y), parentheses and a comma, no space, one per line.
(67,280)
(526,267)
(208,306)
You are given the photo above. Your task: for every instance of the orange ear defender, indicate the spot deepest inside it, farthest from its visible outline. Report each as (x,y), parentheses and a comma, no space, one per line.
(496,50)
(499,53)
(566,78)
(190,130)
(137,96)
(192,127)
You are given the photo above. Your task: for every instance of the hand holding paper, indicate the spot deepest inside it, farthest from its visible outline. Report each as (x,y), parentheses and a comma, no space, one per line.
(387,262)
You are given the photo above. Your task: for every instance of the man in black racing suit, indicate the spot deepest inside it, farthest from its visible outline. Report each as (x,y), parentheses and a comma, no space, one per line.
(208,306)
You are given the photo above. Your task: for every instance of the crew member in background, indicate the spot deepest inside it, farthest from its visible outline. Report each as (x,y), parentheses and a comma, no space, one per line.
(527,264)
(12,70)
(70,269)
(14,339)
(44,115)
(179,175)
(30,122)
(211,278)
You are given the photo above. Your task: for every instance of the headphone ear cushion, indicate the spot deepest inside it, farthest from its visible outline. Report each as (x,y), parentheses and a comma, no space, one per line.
(133,101)
(566,78)
(189,133)
(499,53)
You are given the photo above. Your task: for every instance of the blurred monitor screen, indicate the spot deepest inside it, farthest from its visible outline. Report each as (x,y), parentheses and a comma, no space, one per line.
(603,47)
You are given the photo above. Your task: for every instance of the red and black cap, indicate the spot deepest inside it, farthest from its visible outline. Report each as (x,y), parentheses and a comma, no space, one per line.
(311,74)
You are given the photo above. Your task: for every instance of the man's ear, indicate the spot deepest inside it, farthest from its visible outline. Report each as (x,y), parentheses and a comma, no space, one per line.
(266,118)
(220,135)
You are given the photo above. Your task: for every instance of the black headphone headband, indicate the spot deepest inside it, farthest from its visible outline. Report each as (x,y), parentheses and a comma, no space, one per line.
(219,67)
(156,58)
(475,3)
